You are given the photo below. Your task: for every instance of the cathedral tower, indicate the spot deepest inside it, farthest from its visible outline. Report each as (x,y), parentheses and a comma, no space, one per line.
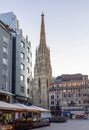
(42,70)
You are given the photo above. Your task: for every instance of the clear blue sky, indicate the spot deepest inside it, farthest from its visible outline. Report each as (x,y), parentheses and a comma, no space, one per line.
(66,26)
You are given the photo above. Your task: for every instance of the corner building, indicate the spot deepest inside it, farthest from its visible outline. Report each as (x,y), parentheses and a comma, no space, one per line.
(42,71)
(5,63)
(16,60)
(69,91)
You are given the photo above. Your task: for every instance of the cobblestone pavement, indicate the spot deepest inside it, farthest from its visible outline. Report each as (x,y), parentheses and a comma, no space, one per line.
(70,125)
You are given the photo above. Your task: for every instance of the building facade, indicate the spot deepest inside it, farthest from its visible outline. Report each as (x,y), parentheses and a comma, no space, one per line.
(69,90)
(22,65)
(5,63)
(19,59)
(42,71)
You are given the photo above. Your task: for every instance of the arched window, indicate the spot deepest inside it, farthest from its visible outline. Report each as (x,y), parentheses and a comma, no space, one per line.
(47,84)
(39,85)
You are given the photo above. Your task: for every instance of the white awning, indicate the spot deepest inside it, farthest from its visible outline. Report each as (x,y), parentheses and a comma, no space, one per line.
(20,107)
(8,106)
(41,109)
(28,108)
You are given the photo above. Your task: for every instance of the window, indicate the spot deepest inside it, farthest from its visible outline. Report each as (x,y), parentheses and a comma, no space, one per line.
(22,66)
(28,49)
(22,77)
(4,61)
(28,70)
(5,39)
(52,102)
(57,102)
(27,91)
(22,55)
(57,96)
(5,72)
(22,44)
(5,50)
(28,60)
(22,89)
(52,96)
(28,80)
(4,84)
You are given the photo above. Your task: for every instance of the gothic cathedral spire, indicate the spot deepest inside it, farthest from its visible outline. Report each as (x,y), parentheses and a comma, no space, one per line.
(42,31)
(42,71)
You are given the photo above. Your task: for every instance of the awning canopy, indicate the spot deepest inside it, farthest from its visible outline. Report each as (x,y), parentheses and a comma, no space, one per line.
(20,107)
(28,108)
(9,107)
(41,109)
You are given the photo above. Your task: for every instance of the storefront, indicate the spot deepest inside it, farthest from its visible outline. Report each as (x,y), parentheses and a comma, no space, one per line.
(6,96)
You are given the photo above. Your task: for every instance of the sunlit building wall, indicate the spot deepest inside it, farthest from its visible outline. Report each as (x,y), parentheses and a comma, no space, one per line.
(69,90)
